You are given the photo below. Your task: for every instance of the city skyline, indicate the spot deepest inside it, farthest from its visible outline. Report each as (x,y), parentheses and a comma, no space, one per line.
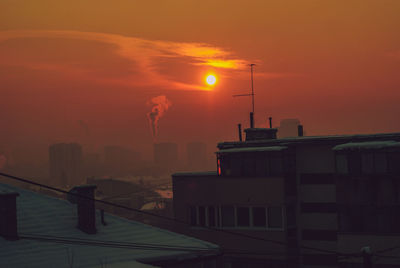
(71,74)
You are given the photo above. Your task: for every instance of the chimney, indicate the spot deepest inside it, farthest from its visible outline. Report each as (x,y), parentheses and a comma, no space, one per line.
(8,215)
(86,208)
(251,120)
(270,122)
(240,131)
(300,130)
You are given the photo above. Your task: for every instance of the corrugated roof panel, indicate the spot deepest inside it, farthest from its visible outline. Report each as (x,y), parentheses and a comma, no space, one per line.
(41,215)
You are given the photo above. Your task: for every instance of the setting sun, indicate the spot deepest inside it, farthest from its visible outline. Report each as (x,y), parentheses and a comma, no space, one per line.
(211,79)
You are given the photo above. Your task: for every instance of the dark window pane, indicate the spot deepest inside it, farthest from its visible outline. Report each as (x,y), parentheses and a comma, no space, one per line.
(275,217)
(225,165)
(259,217)
(193,216)
(350,219)
(354,163)
(341,164)
(276,165)
(367,163)
(394,163)
(228,216)
(202,216)
(211,216)
(236,165)
(243,216)
(370,219)
(249,164)
(380,163)
(261,165)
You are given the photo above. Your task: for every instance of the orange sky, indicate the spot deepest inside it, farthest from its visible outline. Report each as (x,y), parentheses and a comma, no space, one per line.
(85,70)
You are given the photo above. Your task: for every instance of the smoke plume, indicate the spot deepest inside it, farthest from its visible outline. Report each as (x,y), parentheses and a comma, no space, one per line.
(160,105)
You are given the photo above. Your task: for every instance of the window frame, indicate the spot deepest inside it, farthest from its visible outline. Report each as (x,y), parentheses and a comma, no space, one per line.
(219,222)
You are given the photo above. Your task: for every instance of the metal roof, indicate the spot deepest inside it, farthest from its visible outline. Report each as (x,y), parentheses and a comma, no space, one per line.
(367,145)
(253,149)
(330,139)
(41,215)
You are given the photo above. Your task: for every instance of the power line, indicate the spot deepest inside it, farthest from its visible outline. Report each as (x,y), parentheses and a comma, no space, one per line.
(143,246)
(167,218)
(388,249)
(112,244)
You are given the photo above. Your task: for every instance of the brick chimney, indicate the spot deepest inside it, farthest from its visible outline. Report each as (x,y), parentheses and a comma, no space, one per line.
(86,208)
(8,215)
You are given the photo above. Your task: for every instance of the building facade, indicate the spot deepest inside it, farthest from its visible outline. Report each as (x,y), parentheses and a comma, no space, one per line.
(308,201)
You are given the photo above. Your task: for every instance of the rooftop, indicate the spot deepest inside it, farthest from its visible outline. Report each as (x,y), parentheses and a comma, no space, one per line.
(334,139)
(43,216)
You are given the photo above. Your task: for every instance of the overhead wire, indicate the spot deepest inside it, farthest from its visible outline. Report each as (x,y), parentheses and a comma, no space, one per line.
(141,246)
(168,218)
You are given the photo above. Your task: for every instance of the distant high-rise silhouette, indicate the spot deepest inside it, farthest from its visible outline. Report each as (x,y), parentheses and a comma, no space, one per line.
(65,161)
(288,128)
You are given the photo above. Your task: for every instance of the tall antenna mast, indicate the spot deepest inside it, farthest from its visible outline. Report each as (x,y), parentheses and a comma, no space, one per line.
(252,88)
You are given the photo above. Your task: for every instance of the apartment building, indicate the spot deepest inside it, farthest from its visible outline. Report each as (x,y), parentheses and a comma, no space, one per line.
(308,201)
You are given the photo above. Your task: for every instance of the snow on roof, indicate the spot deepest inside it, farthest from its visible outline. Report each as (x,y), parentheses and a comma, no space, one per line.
(198,174)
(41,215)
(312,139)
(253,149)
(367,145)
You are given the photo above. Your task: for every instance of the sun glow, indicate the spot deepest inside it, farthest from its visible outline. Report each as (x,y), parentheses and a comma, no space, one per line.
(211,79)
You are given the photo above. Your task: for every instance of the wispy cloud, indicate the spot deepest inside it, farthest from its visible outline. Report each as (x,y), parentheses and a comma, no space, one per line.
(141,53)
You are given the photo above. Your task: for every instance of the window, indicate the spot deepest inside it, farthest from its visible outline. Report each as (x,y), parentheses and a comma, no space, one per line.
(367,163)
(380,163)
(354,163)
(236,165)
(228,216)
(261,166)
(211,217)
(357,163)
(259,217)
(341,164)
(243,216)
(275,217)
(193,216)
(393,162)
(237,216)
(249,164)
(276,165)
(202,216)
(224,165)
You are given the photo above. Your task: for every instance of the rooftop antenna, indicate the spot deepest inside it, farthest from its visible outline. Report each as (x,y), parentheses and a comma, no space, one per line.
(252,88)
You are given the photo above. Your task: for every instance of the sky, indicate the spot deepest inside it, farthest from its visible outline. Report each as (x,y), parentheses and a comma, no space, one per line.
(89,71)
